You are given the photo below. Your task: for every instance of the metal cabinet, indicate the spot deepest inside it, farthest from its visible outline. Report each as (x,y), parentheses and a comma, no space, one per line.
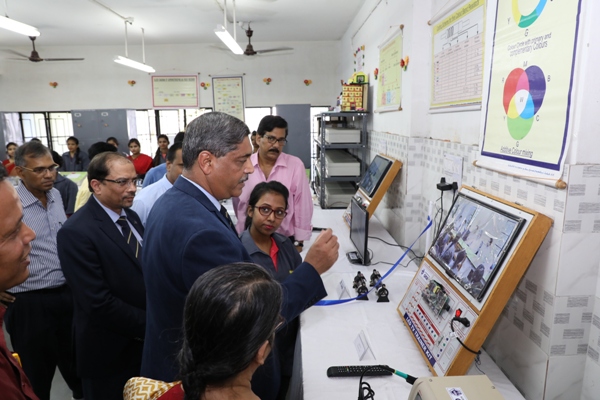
(340,156)
(91,126)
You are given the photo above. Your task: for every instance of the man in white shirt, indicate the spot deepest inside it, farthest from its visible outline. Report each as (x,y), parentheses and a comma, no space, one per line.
(145,199)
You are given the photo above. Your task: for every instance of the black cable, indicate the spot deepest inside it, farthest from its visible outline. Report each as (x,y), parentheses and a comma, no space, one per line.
(478,352)
(396,245)
(441,214)
(478,363)
(365,392)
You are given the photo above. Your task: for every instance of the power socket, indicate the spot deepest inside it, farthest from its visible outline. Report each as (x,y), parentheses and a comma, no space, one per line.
(443,185)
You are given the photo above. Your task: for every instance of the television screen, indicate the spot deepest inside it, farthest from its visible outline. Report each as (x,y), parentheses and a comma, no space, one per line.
(359,231)
(473,243)
(374,175)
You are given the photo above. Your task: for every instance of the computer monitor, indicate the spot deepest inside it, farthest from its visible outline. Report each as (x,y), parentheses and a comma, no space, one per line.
(374,175)
(474,241)
(359,234)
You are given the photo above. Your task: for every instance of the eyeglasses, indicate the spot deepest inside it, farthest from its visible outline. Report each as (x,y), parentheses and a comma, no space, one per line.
(273,139)
(122,182)
(42,170)
(266,211)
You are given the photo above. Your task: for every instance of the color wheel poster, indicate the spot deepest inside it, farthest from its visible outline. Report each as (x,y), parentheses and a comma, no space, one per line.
(527,113)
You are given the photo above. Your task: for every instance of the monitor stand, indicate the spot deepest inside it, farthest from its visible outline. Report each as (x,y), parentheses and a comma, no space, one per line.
(355,258)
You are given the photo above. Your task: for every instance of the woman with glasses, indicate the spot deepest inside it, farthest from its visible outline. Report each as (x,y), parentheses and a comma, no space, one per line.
(75,159)
(141,162)
(230,317)
(276,253)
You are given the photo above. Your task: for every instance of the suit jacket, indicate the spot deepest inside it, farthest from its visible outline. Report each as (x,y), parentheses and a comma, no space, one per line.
(185,237)
(108,291)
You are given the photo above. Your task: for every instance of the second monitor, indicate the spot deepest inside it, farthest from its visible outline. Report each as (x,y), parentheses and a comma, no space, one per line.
(359,234)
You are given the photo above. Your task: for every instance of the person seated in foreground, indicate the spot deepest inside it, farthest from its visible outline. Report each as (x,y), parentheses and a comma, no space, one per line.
(230,317)
(276,253)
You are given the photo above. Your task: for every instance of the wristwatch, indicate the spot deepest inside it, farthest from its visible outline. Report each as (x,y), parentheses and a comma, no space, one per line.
(298,244)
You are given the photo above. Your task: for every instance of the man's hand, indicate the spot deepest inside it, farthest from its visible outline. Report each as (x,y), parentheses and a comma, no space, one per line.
(324,251)
(6,299)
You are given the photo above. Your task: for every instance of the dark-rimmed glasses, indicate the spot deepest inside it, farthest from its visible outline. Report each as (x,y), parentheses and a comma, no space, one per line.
(42,170)
(266,211)
(273,139)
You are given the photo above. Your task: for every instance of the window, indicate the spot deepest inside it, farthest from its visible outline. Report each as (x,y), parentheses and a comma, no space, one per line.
(255,114)
(61,128)
(34,126)
(313,112)
(146,131)
(12,129)
(192,114)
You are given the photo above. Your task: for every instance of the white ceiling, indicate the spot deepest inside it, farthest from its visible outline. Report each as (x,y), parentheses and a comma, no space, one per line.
(84,22)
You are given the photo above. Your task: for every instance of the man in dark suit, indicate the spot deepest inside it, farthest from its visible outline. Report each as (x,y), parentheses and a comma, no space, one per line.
(188,233)
(99,248)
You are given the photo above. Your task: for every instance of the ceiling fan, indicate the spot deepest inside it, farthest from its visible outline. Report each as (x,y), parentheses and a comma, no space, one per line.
(250,50)
(35,57)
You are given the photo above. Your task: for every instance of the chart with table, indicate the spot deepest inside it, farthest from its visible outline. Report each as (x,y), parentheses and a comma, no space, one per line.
(458,43)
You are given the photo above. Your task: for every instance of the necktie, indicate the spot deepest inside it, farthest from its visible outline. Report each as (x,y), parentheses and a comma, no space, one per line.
(228,218)
(129,236)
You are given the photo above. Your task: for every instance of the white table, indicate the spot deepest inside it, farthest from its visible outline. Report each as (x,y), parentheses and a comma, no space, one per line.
(327,334)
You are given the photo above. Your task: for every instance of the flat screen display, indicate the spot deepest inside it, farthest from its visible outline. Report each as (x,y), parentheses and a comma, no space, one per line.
(374,175)
(473,243)
(359,230)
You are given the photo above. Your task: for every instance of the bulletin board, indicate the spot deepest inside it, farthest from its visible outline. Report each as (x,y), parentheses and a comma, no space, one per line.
(389,83)
(175,91)
(228,95)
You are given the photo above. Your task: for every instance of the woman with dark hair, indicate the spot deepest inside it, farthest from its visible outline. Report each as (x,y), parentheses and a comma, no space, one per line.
(74,159)
(161,153)
(9,163)
(267,207)
(113,140)
(141,162)
(230,317)
(276,253)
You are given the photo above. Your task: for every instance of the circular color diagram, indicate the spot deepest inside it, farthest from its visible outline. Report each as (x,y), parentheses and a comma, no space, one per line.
(524,92)
(523,21)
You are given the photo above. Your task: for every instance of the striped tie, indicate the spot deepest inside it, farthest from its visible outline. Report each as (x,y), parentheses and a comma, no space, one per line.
(129,236)
(228,218)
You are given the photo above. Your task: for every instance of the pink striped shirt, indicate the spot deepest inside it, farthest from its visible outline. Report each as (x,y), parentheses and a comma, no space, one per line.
(290,171)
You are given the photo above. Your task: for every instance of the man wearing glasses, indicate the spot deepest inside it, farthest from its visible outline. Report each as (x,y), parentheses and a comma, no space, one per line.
(40,310)
(100,248)
(272,164)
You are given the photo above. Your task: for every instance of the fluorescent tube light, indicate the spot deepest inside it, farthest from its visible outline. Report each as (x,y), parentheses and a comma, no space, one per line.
(18,27)
(228,39)
(134,64)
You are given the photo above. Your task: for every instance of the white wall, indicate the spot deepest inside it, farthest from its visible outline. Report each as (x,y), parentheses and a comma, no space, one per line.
(544,356)
(98,82)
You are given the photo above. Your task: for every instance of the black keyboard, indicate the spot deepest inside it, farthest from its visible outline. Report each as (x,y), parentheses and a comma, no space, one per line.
(356,370)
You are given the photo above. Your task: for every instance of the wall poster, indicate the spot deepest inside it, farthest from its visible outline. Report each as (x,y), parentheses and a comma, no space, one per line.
(389,83)
(528,107)
(228,95)
(175,91)
(457,49)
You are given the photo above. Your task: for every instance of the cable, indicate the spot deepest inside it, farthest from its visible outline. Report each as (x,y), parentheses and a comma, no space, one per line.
(364,391)
(409,378)
(467,324)
(396,245)
(478,363)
